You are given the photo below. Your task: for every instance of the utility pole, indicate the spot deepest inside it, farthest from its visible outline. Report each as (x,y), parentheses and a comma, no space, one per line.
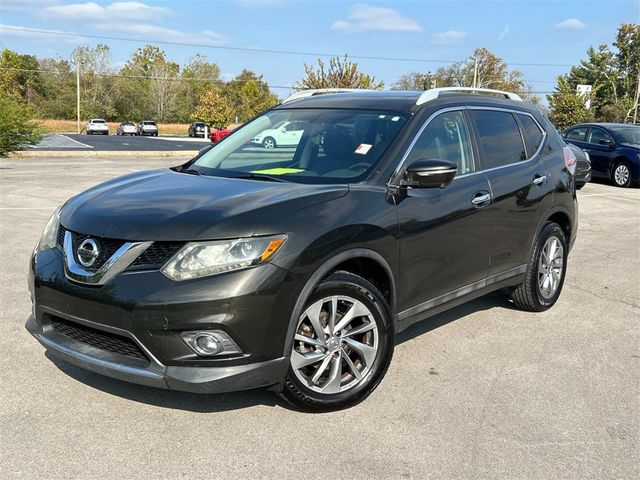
(635,112)
(475,73)
(78,62)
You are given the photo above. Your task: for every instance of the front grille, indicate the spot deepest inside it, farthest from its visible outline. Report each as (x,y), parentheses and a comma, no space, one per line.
(109,342)
(151,259)
(156,255)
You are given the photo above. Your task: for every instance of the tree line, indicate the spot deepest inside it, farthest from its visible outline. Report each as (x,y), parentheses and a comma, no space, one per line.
(148,86)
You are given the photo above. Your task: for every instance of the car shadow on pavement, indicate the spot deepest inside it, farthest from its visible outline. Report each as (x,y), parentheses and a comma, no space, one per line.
(486,302)
(200,403)
(237,400)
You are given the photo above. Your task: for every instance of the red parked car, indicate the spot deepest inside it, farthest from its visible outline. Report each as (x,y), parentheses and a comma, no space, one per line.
(217,135)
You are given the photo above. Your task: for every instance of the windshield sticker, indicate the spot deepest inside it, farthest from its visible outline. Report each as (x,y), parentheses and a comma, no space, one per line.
(363,148)
(278,171)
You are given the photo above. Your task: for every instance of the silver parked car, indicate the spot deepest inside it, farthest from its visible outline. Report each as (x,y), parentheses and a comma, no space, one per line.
(148,127)
(127,128)
(97,126)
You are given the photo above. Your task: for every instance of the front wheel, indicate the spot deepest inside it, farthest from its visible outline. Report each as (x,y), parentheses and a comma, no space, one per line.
(621,175)
(342,347)
(545,271)
(269,142)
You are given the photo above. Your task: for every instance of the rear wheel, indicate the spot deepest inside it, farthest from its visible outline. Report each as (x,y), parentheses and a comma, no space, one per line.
(621,175)
(342,346)
(545,271)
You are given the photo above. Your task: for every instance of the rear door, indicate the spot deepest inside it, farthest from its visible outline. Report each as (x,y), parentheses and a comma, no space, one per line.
(511,145)
(445,233)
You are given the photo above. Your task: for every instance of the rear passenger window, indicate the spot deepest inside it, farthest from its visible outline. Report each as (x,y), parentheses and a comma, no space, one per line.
(500,139)
(445,138)
(532,134)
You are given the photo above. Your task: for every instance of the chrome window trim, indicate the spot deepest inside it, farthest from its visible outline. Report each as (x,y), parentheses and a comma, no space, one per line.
(514,111)
(118,262)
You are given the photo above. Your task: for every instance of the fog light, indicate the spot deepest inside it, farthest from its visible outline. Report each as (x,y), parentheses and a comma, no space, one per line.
(210,342)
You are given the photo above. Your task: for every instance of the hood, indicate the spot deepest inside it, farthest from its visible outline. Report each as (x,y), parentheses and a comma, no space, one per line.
(165,205)
(634,146)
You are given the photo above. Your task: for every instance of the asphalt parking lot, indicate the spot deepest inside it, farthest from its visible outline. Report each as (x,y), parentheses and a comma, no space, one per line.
(118,143)
(482,391)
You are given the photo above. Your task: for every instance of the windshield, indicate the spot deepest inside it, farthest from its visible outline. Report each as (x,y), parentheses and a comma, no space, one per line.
(97,121)
(149,123)
(628,134)
(305,146)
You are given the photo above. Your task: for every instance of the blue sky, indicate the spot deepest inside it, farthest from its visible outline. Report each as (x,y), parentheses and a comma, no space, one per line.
(520,31)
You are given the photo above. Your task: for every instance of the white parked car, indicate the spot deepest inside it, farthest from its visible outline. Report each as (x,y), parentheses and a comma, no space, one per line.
(127,128)
(97,126)
(148,127)
(286,134)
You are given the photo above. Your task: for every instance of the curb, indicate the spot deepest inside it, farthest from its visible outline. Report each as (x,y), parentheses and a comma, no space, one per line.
(93,154)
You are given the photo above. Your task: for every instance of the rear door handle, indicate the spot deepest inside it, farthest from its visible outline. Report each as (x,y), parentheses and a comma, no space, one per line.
(481,199)
(540,180)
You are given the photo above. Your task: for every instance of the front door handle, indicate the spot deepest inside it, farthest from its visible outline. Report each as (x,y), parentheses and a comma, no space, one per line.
(481,199)
(540,180)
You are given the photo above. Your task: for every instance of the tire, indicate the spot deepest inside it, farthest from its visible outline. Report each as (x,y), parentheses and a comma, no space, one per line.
(269,143)
(531,295)
(621,174)
(368,352)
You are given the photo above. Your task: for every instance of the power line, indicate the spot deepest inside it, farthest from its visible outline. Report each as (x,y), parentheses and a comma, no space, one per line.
(192,79)
(260,50)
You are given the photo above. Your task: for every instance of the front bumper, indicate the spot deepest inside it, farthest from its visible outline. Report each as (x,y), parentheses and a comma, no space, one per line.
(147,309)
(186,379)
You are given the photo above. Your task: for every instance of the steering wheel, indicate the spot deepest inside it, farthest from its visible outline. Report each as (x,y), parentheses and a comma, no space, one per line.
(362,165)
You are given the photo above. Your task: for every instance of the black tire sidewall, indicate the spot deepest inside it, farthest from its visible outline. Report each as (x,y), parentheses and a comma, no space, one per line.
(613,174)
(361,290)
(550,230)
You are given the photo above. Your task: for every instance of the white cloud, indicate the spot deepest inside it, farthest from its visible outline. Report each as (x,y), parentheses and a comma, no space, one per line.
(122,11)
(366,17)
(39,35)
(452,37)
(571,24)
(258,3)
(14,6)
(154,32)
(504,33)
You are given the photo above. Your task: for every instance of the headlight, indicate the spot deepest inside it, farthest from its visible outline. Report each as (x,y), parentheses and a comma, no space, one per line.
(199,259)
(49,236)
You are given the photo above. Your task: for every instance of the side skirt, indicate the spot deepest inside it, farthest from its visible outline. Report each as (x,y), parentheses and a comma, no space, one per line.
(437,305)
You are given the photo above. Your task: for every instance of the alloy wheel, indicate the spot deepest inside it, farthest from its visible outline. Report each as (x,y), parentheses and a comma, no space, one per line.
(550,267)
(335,345)
(621,175)
(268,143)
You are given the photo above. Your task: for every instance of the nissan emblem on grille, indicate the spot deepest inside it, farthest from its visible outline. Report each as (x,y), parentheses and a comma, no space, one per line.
(88,252)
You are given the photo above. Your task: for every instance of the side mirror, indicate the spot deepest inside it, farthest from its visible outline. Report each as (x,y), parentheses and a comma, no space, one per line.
(606,143)
(430,173)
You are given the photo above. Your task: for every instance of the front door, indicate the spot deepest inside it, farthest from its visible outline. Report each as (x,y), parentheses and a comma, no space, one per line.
(445,235)
(599,146)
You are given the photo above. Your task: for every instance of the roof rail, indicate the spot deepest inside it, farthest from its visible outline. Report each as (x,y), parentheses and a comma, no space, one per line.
(320,91)
(434,93)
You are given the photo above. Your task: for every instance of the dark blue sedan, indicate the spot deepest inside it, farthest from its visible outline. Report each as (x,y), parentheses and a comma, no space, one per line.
(614,149)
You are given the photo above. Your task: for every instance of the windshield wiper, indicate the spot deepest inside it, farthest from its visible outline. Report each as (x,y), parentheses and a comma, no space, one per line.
(259,176)
(190,171)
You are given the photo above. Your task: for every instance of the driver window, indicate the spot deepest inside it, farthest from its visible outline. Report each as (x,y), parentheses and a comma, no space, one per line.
(445,138)
(596,134)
